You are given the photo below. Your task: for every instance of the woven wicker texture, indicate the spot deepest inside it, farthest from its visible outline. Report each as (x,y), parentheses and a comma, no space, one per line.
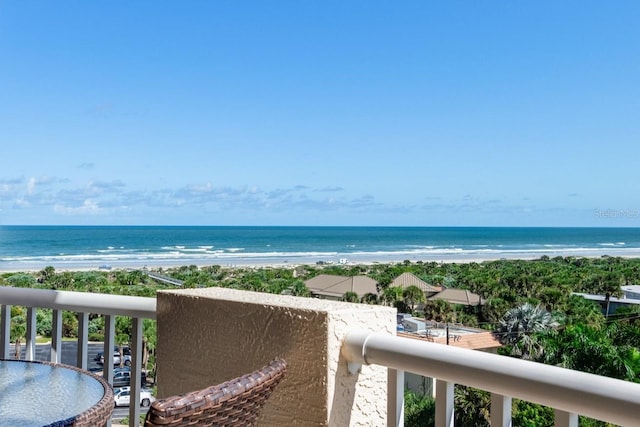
(100,413)
(233,403)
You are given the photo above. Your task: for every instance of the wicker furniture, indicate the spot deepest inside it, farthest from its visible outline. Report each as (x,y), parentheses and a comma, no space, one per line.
(233,403)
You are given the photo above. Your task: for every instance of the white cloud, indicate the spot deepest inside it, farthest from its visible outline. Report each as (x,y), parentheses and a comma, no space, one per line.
(31,185)
(22,203)
(88,207)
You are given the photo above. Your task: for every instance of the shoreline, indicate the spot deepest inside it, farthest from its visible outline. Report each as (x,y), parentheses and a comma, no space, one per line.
(256,263)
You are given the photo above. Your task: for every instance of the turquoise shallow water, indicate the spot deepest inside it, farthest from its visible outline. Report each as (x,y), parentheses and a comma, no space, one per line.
(34,247)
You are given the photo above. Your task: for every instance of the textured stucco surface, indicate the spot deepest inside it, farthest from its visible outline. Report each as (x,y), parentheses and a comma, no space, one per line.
(207,336)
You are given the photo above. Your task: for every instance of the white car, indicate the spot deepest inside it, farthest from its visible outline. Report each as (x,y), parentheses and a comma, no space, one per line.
(116,358)
(122,396)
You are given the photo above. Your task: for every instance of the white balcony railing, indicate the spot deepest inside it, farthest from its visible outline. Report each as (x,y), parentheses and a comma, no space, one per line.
(110,306)
(570,393)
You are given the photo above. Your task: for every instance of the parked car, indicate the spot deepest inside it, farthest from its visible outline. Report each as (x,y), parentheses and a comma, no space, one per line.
(122,377)
(116,356)
(122,396)
(116,349)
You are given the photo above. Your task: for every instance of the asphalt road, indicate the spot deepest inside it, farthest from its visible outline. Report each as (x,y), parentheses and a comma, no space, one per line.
(69,351)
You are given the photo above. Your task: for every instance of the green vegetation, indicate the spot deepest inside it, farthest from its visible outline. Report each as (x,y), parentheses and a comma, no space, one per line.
(529,304)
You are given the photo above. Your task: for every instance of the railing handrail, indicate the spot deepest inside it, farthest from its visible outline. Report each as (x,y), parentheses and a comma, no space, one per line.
(83,303)
(120,305)
(598,397)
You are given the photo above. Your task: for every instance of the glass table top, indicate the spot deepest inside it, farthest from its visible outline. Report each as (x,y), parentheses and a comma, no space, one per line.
(36,394)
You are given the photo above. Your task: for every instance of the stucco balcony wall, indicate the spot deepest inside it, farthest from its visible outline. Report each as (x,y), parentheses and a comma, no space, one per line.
(207,336)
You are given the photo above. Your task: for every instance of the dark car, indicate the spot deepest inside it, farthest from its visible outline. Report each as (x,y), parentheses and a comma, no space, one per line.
(122,377)
(99,357)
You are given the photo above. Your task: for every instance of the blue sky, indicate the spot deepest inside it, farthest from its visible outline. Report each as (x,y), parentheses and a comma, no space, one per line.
(320,113)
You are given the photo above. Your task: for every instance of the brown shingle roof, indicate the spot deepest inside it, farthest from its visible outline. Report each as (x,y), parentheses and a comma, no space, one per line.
(337,286)
(458,296)
(409,279)
(478,341)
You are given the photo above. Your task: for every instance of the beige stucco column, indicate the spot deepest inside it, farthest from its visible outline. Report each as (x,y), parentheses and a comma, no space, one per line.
(207,336)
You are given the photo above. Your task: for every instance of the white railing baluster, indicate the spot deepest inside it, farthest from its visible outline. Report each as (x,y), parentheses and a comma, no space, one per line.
(444,403)
(136,368)
(30,341)
(56,337)
(500,410)
(395,398)
(565,419)
(83,340)
(5,331)
(107,349)
(109,344)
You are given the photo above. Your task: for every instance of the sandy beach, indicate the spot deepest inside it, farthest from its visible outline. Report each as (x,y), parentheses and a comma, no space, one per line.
(354,259)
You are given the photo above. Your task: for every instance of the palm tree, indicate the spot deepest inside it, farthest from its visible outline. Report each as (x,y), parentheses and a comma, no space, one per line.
(298,288)
(350,296)
(519,326)
(149,343)
(439,310)
(472,406)
(592,350)
(369,298)
(413,295)
(18,328)
(46,273)
(391,295)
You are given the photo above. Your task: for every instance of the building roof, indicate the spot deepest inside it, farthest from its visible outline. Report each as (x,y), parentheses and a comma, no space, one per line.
(336,286)
(473,341)
(409,279)
(602,298)
(458,296)
(631,288)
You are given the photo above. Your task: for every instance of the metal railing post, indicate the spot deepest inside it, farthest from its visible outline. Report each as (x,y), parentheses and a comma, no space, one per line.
(444,403)
(395,398)
(30,350)
(56,337)
(109,344)
(500,410)
(136,369)
(83,340)
(565,419)
(5,331)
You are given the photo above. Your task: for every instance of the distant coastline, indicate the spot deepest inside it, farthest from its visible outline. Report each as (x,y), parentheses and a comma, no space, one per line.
(254,263)
(31,248)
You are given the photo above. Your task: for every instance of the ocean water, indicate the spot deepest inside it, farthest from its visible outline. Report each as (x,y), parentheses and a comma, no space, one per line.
(68,247)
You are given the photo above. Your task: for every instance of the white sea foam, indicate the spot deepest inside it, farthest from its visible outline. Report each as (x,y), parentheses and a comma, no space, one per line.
(234,256)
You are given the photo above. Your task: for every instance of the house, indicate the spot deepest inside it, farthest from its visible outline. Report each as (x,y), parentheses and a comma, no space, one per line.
(454,335)
(612,304)
(334,287)
(409,279)
(458,296)
(631,291)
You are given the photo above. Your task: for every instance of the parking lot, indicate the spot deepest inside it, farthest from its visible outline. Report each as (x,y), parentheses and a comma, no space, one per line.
(69,351)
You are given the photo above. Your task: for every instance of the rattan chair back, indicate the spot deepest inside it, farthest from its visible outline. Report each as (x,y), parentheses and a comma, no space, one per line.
(233,403)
